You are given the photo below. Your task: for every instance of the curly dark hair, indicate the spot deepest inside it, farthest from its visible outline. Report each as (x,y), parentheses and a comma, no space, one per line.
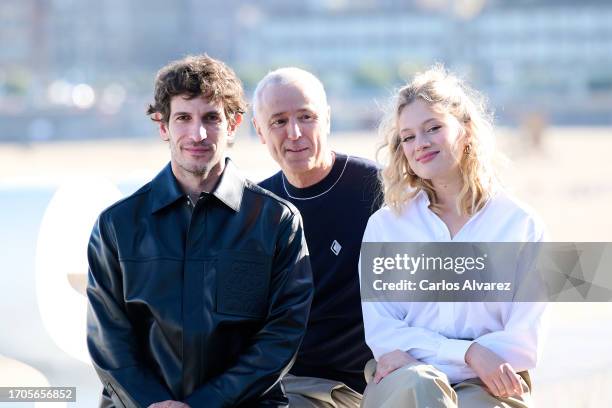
(193,76)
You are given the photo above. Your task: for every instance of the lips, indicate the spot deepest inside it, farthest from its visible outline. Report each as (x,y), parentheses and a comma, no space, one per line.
(296,149)
(197,150)
(427,157)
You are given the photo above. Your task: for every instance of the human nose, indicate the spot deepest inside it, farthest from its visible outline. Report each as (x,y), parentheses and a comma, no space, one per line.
(293,130)
(199,134)
(422,141)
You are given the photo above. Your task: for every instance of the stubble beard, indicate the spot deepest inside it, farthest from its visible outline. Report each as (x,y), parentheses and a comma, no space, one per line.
(200,170)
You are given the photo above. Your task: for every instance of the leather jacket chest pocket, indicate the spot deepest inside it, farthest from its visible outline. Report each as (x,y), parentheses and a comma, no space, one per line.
(243,280)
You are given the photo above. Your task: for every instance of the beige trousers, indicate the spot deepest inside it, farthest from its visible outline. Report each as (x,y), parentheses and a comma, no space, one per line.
(311,392)
(423,386)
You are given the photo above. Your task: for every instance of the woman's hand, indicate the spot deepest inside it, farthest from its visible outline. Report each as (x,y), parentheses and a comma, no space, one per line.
(497,374)
(390,362)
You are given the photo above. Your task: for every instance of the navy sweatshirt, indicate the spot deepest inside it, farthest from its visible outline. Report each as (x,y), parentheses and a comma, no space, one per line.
(335,212)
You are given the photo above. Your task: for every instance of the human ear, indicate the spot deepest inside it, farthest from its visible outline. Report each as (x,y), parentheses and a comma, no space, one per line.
(258,131)
(164,132)
(232,126)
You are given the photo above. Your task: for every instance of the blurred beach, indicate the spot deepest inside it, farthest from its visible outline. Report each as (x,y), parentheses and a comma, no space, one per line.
(567,180)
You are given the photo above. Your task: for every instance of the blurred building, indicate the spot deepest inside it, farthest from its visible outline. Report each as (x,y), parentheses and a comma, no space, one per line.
(553,56)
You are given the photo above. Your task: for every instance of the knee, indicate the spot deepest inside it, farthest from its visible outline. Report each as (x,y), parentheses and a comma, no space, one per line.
(412,386)
(421,378)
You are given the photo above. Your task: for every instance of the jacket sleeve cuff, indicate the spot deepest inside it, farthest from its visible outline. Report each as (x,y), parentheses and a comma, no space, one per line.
(133,386)
(453,351)
(207,396)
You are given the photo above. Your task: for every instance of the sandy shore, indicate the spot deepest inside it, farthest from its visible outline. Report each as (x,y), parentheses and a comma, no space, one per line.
(568,181)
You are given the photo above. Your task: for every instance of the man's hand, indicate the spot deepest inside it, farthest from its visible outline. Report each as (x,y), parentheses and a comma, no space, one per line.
(390,362)
(497,374)
(169,404)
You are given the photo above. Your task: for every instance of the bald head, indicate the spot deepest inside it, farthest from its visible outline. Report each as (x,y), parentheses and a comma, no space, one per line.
(289,75)
(292,118)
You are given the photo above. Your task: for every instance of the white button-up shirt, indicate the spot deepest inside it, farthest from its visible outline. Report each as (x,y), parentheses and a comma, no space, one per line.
(440,333)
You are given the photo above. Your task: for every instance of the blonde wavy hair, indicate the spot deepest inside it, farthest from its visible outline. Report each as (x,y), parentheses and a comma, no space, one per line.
(445,92)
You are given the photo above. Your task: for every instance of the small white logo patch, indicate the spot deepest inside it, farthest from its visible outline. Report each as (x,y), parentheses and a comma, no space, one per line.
(336,247)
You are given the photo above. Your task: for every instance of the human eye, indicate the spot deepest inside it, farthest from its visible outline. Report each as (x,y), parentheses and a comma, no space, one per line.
(212,118)
(307,117)
(182,118)
(279,122)
(406,138)
(434,128)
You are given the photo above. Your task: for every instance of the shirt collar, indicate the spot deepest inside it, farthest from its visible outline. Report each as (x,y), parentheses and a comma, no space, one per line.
(423,198)
(166,190)
(230,187)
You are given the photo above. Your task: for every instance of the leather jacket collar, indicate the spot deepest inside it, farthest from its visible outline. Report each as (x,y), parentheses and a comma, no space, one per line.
(166,190)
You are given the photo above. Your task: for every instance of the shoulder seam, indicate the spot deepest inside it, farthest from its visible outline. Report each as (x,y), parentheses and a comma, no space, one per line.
(142,190)
(256,189)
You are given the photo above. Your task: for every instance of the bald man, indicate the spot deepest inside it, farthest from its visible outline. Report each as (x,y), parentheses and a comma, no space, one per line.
(336,194)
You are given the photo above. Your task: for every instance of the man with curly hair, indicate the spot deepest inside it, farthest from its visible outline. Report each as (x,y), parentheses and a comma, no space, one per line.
(199,283)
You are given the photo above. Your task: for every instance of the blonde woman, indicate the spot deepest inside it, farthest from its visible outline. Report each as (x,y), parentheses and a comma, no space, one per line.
(439,185)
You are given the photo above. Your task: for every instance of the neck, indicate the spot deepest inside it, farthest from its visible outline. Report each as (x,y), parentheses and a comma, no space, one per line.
(447,190)
(195,183)
(314,175)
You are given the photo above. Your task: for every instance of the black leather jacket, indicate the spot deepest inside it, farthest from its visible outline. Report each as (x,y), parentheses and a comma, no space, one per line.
(206,306)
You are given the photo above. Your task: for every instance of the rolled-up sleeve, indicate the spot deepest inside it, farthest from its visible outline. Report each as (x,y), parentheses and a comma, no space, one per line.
(520,342)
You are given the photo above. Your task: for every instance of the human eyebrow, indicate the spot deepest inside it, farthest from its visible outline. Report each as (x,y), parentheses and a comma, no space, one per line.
(312,112)
(425,123)
(275,116)
(177,114)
